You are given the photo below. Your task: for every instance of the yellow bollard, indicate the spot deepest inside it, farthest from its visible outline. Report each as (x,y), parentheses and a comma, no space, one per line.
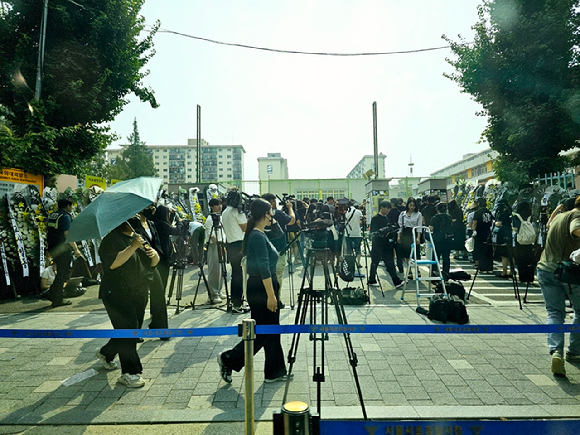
(249,335)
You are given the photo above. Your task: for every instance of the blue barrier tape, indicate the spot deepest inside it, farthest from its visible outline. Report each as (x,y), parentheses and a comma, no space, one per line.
(288,329)
(496,427)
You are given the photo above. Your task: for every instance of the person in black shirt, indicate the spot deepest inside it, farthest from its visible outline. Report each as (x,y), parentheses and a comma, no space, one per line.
(482,222)
(262,294)
(128,269)
(383,244)
(393,216)
(441,226)
(61,252)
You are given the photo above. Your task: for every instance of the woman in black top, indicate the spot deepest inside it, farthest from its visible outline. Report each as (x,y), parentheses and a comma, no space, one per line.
(128,269)
(164,230)
(441,226)
(262,294)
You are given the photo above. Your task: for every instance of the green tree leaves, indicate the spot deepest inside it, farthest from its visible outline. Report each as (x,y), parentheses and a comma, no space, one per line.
(522,68)
(94,58)
(135,160)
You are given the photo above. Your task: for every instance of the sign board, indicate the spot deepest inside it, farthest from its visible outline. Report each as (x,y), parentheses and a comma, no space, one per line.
(115,181)
(12,180)
(91,181)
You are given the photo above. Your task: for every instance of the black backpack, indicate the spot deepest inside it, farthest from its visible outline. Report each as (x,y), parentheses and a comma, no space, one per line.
(453,288)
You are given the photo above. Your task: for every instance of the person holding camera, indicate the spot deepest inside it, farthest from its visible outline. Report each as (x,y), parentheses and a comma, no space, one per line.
(213,238)
(353,218)
(384,234)
(278,238)
(563,238)
(234,222)
(262,293)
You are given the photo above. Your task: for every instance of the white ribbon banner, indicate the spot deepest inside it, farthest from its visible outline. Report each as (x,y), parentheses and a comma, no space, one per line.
(4,262)
(19,240)
(97,256)
(87,252)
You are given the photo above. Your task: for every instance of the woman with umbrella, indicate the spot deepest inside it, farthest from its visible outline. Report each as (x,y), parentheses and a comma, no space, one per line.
(128,269)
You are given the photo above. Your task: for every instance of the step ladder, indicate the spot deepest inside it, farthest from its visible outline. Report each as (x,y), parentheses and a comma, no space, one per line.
(414,263)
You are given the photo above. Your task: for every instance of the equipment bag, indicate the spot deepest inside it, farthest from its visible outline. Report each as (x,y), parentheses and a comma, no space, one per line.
(354,296)
(568,272)
(456,274)
(439,308)
(527,232)
(457,311)
(346,268)
(453,288)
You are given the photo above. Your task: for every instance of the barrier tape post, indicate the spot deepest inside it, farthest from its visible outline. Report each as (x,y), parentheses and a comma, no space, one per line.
(249,335)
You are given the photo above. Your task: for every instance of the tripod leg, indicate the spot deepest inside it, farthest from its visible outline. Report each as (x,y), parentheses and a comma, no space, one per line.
(171,285)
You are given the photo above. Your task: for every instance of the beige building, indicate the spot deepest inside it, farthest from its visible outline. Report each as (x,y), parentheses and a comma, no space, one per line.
(176,164)
(366,164)
(272,167)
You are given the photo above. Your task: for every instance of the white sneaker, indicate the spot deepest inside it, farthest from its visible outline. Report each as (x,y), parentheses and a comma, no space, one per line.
(107,365)
(216,300)
(131,381)
(558,368)
(223,296)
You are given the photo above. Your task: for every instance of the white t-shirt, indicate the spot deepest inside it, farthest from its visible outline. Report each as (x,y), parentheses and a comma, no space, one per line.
(209,230)
(231,221)
(353,217)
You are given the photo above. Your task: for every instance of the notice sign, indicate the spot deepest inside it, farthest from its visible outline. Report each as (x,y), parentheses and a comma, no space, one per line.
(95,181)
(12,180)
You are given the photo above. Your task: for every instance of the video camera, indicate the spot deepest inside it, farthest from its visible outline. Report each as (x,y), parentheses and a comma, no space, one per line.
(388,233)
(318,233)
(240,200)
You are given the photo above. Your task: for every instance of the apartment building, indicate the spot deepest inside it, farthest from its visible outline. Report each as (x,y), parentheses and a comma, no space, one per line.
(176,164)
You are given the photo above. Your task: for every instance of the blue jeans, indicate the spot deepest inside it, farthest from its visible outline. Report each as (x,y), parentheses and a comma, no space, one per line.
(554,293)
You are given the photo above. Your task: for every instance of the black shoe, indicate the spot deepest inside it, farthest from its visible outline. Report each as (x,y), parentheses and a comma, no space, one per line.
(61,304)
(140,340)
(373,282)
(281,305)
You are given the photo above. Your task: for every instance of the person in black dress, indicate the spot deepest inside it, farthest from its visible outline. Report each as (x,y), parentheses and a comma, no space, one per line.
(262,293)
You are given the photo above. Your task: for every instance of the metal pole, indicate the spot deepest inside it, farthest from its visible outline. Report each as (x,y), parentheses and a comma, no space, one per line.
(375,140)
(198,160)
(40,63)
(248,336)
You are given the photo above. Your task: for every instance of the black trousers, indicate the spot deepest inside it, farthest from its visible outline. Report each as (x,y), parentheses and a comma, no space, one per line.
(274,366)
(382,250)
(125,312)
(235,255)
(62,261)
(157,303)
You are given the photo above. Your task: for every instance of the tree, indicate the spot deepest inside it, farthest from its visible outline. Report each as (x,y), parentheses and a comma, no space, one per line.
(135,159)
(523,70)
(93,59)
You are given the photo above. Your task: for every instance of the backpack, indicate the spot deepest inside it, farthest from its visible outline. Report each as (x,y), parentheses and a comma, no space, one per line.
(527,232)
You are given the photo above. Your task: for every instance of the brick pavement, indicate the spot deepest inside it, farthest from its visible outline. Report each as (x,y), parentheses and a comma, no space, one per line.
(403,376)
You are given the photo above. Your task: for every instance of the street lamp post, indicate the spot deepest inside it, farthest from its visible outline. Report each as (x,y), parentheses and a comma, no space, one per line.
(41,42)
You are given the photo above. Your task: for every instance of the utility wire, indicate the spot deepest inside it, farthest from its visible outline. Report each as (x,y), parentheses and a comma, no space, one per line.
(275,50)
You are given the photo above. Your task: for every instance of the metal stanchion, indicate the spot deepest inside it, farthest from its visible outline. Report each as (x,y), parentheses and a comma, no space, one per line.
(295,419)
(249,335)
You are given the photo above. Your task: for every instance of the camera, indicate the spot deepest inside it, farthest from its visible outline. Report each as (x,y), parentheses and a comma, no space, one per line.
(388,233)
(215,217)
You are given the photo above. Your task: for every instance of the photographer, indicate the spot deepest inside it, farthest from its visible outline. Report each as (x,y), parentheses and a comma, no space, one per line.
(384,234)
(213,238)
(234,222)
(278,238)
(353,218)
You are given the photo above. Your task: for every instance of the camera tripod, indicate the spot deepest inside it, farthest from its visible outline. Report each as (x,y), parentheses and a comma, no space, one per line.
(178,267)
(217,232)
(316,302)
(287,252)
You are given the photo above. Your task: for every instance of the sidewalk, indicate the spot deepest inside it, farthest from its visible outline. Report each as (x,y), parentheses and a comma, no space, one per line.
(403,376)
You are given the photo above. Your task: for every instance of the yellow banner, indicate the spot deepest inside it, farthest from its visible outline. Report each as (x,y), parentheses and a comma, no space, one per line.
(95,181)
(19,176)
(115,181)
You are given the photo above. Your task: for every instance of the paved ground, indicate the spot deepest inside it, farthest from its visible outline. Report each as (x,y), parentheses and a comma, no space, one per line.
(403,376)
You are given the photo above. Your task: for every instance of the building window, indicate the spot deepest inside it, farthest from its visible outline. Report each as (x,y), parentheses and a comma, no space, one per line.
(221,169)
(189,176)
(165,170)
(164,151)
(229,175)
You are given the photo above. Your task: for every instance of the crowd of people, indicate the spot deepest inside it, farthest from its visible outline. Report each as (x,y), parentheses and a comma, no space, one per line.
(137,257)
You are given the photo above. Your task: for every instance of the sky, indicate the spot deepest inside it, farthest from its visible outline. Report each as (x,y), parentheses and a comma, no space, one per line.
(314,110)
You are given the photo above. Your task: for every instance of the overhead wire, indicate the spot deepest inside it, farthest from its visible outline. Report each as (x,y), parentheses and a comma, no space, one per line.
(312,53)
